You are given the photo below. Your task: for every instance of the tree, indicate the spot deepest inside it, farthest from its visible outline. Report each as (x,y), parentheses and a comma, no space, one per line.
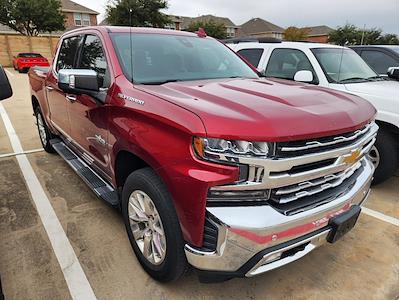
(296,34)
(31,17)
(212,28)
(351,35)
(144,13)
(345,35)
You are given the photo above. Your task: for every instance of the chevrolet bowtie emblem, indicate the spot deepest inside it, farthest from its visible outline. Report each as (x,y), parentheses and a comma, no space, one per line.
(353,157)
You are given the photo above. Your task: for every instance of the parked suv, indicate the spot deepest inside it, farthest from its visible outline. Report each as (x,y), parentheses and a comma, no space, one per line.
(209,163)
(379,57)
(340,69)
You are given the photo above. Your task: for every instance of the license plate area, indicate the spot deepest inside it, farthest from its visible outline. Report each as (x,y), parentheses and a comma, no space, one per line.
(342,224)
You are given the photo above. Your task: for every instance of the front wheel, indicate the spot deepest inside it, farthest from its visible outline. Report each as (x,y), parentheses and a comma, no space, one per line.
(152,226)
(385,156)
(44,132)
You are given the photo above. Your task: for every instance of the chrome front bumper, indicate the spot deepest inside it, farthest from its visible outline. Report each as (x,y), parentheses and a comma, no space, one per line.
(246,232)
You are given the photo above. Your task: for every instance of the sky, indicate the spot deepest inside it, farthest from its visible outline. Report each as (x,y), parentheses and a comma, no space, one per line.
(381,14)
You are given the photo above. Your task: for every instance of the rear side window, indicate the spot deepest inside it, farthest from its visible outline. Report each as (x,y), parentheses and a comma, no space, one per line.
(67,54)
(284,63)
(93,58)
(253,56)
(379,61)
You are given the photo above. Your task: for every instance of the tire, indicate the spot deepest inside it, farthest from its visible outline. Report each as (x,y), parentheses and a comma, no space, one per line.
(44,133)
(385,156)
(173,264)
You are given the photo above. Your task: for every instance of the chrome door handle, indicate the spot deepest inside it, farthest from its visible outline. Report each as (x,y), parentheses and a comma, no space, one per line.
(49,88)
(70,98)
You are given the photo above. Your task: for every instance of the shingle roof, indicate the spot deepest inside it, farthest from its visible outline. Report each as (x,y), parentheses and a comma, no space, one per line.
(258,25)
(70,6)
(186,21)
(319,30)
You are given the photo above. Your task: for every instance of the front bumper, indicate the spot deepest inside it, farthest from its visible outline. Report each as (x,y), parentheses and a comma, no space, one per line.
(250,238)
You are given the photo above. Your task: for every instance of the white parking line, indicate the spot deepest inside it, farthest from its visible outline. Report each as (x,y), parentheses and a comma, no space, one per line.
(20,153)
(380,216)
(79,286)
(9,73)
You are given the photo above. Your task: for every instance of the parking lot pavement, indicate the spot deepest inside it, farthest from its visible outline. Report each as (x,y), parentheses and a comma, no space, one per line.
(364,265)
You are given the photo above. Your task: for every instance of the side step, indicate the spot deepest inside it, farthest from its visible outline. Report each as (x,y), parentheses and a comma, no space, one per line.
(102,189)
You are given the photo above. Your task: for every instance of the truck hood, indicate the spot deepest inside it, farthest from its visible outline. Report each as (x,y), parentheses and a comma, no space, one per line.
(266,110)
(385,89)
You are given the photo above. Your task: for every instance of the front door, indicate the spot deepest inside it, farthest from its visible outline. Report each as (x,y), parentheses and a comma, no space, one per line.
(88,117)
(57,100)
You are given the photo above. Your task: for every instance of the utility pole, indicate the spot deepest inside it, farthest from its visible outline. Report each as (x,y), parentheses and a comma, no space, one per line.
(364,30)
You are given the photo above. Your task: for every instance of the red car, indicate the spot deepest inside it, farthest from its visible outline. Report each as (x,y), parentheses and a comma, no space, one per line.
(210,164)
(24,61)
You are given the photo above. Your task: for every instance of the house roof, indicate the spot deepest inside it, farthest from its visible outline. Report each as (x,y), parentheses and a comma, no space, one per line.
(319,30)
(186,21)
(258,25)
(70,6)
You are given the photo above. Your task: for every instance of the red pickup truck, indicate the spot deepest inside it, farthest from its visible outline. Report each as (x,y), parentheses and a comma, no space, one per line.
(211,165)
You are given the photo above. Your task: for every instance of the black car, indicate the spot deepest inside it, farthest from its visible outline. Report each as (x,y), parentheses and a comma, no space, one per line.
(379,57)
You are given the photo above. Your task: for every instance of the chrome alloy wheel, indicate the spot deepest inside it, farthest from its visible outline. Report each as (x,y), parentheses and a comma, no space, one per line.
(147,227)
(374,156)
(42,129)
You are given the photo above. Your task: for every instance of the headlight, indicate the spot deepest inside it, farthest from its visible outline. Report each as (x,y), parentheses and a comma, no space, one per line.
(210,147)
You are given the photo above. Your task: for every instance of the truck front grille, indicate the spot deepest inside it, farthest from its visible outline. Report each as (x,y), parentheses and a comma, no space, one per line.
(297,148)
(304,174)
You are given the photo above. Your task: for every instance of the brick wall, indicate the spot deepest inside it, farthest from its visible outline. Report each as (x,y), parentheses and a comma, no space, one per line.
(318,39)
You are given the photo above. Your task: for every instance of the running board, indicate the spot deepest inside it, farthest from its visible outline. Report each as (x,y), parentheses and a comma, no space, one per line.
(102,189)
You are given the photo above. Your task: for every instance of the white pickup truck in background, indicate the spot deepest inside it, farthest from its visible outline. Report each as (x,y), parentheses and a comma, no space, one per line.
(338,68)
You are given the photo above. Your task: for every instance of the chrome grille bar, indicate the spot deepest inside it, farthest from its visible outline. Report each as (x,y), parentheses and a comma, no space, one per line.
(334,141)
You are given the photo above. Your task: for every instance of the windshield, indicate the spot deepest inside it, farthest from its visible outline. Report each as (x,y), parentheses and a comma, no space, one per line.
(159,58)
(29,55)
(343,65)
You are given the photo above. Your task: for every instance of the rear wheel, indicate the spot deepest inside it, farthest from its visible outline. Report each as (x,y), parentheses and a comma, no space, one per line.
(44,132)
(152,226)
(385,156)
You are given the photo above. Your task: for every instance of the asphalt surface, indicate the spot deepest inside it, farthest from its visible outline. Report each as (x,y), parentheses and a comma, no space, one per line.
(363,265)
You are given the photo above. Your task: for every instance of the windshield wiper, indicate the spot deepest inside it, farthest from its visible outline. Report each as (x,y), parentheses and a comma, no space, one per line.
(354,79)
(374,78)
(160,82)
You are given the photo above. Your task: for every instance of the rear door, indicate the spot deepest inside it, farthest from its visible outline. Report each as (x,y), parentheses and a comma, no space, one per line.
(88,116)
(57,100)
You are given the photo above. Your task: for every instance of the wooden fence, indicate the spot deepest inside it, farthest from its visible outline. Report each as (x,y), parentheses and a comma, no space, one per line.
(11,45)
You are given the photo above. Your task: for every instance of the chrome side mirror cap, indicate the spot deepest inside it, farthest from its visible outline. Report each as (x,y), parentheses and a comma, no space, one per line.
(76,81)
(304,76)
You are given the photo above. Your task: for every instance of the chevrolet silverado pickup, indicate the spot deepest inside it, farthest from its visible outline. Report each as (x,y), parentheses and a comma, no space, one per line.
(210,165)
(338,68)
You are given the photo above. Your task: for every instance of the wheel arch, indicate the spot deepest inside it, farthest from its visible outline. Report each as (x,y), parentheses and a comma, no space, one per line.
(125,163)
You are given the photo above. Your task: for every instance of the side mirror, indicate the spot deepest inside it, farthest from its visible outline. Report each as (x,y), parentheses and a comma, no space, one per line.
(393,73)
(76,81)
(5,87)
(304,76)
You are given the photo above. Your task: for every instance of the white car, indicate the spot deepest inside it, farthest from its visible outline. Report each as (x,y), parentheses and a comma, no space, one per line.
(338,68)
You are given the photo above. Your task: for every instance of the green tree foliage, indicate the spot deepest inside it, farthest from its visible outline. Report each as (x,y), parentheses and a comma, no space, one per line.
(212,28)
(144,13)
(352,35)
(296,34)
(31,17)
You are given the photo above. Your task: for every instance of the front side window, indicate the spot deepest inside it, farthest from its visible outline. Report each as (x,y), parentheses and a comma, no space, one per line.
(379,61)
(253,56)
(93,58)
(343,65)
(158,58)
(285,63)
(67,53)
